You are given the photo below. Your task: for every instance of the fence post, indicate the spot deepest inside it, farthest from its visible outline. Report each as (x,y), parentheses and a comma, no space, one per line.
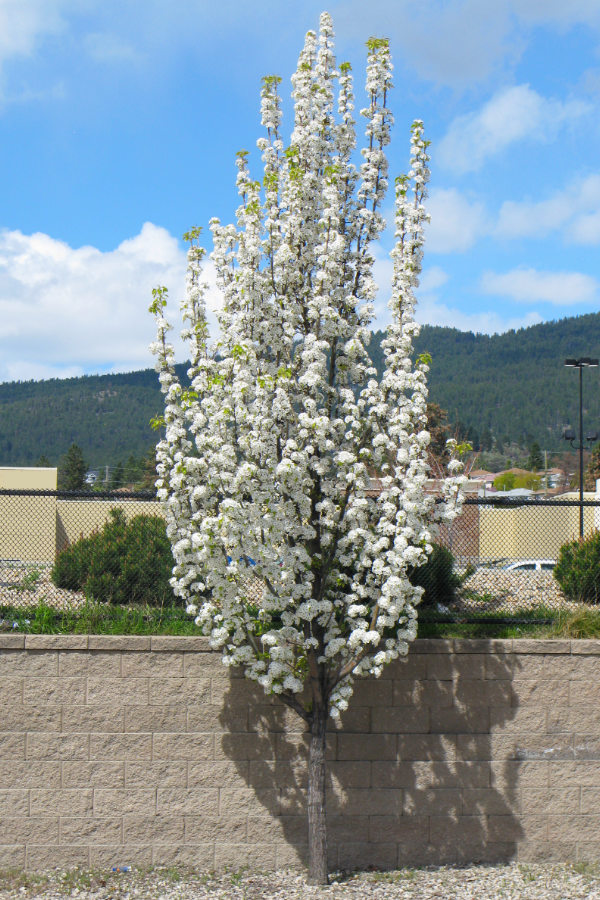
(597,507)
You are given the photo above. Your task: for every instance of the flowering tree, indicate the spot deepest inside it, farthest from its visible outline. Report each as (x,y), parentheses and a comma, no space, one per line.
(265,466)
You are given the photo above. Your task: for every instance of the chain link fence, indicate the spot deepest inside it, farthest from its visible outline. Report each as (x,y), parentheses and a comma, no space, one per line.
(501,553)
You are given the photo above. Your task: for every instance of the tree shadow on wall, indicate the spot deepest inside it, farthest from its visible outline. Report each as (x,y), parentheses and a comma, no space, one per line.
(422,768)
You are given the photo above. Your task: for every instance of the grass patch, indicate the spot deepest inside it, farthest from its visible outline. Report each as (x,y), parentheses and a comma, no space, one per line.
(98,618)
(584,623)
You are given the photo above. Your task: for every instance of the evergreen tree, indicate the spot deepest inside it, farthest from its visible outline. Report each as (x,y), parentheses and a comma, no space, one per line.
(535,460)
(72,469)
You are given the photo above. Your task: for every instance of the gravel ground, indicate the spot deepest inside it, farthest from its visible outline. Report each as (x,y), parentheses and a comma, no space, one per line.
(510,882)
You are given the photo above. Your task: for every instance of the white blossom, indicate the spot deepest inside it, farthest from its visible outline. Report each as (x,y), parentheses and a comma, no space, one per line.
(282,554)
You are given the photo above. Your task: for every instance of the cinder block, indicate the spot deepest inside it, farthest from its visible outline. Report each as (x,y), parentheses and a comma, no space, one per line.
(355,718)
(581,719)
(61,802)
(508,775)
(92,662)
(124,801)
(56,641)
(293,829)
(433,802)
(12,745)
(11,690)
(542,692)
(366,746)
(46,856)
(427,747)
(97,718)
(12,856)
(179,691)
(400,720)
(28,663)
(154,718)
(167,773)
(119,642)
(209,717)
(460,721)
(518,719)
(14,802)
(367,801)
(218,772)
(138,665)
(182,746)
(552,801)
(98,773)
(489,802)
(287,774)
(153,829)
(344,773)
(245,746)
(585,647)
(31,717)
(530,746)
(55,690)
(574,773)
(90,831)
(121,746)
(373,692)
(19,773)
(46,745)
(546,851)
(542,647)
(187,801)
(590,799)
(295,856)
(573,827)
(203,829)
(405,830)
(253,802)
(199,856)
(483,646)
(24,830)
(116,691)
(423,693)
(586,746)
(517,828)
(469,692)
(12,641)
(195,643)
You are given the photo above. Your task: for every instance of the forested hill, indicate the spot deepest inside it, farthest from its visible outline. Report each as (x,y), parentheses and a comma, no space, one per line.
(512,387)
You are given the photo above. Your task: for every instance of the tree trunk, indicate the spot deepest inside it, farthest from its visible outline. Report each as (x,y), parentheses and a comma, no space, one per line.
(317,825)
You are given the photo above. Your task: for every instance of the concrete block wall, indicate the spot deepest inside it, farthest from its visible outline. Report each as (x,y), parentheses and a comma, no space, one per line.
(140,751)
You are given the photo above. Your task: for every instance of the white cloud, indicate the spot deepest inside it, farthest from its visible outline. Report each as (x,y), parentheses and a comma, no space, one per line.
(532,286)
(431,312)
(65,311)
(513,114)
(586,229)
(23,22)
(108,48)
(536,219)
(456,222)
(432,278)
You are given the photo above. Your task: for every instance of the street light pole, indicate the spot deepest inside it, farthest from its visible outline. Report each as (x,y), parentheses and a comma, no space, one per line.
(569,435)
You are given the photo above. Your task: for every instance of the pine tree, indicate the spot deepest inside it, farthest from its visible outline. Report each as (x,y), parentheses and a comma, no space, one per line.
(72,469)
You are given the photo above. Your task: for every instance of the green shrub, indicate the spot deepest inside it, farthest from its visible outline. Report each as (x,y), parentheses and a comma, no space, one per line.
(126,562)
(577,569)
(438,578)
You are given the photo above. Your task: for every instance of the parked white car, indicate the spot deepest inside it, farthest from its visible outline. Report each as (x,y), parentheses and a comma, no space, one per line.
(531,565)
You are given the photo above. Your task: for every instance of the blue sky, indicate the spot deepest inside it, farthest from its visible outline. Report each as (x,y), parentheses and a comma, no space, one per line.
(119,124)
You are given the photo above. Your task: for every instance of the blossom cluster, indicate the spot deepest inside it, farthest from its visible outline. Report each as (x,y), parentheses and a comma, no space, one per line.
(284,554)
